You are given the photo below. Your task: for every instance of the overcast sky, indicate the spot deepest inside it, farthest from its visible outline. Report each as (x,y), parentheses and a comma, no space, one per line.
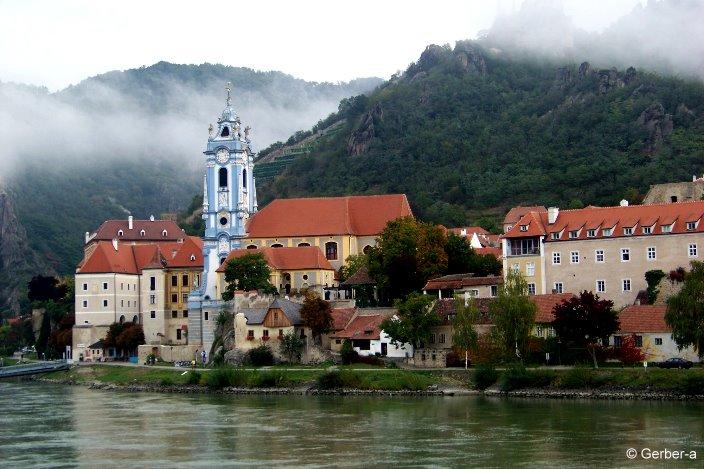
(56,43)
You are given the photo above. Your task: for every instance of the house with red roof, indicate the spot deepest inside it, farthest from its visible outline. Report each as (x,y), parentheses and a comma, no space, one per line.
(465,285)
(606,250)
(293,269)
(646,323)
(338,226)
(368,339)
(134,278)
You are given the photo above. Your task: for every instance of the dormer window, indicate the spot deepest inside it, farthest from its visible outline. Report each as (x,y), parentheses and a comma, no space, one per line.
(666,228)
(628,231)
(524,227)
(164,233)
(555,235)
(607,231)
(142,233)
(647,229)
(225,132)
(574,234)
(591,233)
(120,233)
(193,257)
(691,225)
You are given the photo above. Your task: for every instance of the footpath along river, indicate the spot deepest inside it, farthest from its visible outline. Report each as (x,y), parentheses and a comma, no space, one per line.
(45,425)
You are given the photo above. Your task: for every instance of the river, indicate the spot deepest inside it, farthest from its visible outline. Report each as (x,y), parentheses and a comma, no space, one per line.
(44,425)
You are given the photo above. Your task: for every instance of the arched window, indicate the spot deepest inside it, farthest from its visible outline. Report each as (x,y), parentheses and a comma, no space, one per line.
(277,245)
(164,233)
(366,249)
(193,257)
(252,246)
(135,319)
(331,251)
(302,245)
(244,178)
(122,319)
(222,177)
(142,233)
(225,132)
(120,233)
(222,260)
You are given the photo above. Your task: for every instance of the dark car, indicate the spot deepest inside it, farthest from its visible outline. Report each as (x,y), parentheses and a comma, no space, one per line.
(675,363)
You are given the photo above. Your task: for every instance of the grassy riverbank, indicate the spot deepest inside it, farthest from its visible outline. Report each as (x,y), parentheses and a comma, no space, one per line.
(508,380)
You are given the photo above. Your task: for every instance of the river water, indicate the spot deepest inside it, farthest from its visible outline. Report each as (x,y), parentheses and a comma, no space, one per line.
(45,425)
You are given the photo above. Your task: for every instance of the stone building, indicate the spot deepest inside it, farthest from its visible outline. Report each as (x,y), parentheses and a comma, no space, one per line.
(673,192)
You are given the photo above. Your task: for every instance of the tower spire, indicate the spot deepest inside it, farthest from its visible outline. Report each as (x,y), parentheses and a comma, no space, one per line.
(228,88)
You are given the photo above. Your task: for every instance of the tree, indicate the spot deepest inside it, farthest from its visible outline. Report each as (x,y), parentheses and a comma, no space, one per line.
(464,334)
(41,288)
(248,272)
(316,313)
(585,321)
(653,278)
(407,254)
(413,322)
(462,258)
(291,346)
(513,315)
(628,353)
(125,337)
(685,311)
(352,264)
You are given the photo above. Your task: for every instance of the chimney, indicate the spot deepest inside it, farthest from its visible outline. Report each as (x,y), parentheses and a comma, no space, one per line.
(623,203)
(114,243)
(151,217)
(130,222)
(463,232)
(87,237)
(553,212)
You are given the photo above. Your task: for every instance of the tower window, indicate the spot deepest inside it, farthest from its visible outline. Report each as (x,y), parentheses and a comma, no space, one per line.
(222,177)
(225,132)
(244,178)
(223,221)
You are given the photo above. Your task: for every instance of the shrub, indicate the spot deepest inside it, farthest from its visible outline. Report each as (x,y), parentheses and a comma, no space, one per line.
(269,379)
(260,356)
(484,376)
(167,381)
(225,376)
(691,384)
(193,378)
(580,378)
(517,377)
(330,380)
(347,353)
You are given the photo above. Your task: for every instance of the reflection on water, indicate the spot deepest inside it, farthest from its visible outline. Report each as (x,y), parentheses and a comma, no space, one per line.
(50,426)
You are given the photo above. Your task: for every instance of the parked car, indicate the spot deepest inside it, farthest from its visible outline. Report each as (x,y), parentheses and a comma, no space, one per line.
(675,362)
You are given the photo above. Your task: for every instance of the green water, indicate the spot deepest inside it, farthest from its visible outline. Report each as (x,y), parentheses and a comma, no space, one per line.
(54,426)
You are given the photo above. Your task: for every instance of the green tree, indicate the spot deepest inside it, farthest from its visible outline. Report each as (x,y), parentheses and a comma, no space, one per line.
(291,346)
(316,313)
(125,337)
(585,321)
(352,264)
(462,258)
(413,322)
(685,310)
(513,315)
(248,272)
(464,334)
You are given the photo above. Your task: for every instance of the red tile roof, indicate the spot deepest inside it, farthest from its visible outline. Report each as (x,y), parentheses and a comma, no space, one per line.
(446,308)
(546,303)
(496,252)
(341,317)
(153,231)
(516,213)
(132,259)
(358,215)
(597,218)
(361,277)
(643,318)
(362,327)
(468,230)
(461,280)
(286,258)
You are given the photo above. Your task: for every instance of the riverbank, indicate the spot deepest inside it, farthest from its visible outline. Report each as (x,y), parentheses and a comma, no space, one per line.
(575,383)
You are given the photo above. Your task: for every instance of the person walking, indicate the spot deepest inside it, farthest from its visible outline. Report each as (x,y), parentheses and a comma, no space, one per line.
(203,356)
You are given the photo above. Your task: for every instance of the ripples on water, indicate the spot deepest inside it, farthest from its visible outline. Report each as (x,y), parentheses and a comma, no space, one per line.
(62,426)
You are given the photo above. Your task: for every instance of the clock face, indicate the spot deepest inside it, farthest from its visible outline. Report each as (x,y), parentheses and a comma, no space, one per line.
(222,156)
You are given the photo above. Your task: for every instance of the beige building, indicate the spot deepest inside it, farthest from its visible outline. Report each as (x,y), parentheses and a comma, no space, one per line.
(143,282)
(606,250)
(338,226)
(464,285)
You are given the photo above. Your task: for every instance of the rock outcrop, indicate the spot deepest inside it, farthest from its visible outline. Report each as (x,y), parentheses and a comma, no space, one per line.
(468,59)
(657,123)
(609,80)
(360,140)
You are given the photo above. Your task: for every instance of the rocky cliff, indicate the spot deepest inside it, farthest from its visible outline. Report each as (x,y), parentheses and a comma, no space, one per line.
(17,261)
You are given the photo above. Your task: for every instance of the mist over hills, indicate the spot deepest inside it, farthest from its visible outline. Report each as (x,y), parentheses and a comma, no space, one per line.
(127,142)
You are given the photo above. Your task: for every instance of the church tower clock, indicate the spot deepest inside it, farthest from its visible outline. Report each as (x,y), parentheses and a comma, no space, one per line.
(229,198)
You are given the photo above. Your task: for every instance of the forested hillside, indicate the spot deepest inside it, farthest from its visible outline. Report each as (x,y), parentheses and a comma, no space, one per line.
(468,132)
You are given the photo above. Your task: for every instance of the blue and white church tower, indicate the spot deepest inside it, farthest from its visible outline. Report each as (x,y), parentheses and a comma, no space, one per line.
(229,198)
